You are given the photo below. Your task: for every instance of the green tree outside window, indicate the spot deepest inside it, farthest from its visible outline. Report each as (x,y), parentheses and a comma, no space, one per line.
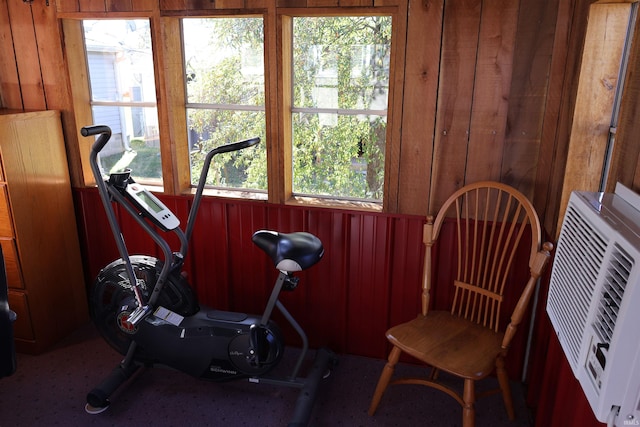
(341,85)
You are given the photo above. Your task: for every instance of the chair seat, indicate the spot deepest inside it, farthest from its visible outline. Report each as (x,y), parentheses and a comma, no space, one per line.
(446,341)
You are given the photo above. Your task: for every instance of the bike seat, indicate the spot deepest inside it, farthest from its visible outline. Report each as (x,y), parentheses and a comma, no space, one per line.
(290,251)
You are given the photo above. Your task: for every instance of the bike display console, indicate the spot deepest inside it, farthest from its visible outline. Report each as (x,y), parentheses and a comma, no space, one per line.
(151,207)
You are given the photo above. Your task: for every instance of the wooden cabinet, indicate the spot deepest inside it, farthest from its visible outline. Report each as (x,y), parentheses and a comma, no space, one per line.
(38,231)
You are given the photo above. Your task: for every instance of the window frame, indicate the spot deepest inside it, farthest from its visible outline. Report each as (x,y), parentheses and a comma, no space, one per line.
(77,61)
(153,182)
(166,33)
(291,110)
(258,194)
(285,98)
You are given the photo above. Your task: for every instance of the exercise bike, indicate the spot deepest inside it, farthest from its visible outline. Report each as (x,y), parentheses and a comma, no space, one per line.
(147,311)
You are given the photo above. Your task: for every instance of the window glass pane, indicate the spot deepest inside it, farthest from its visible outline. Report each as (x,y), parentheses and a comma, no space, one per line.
(339,155)
(123,94)
(245,169)
(124,150)
(341,86)
(224,67)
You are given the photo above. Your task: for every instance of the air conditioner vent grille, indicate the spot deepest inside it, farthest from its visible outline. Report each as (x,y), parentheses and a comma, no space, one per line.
(615,282)
(580,254)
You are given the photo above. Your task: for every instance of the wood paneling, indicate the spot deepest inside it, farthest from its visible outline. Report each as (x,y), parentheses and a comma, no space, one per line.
(55,79)
(344,301)
(558,112)
(393,137)
(369,253)
(529,89)
(476,107)
(92,5)
(626,150)
(105,6)
(598,79)
(26,56)
(10,95)
(207,4)
(67,5)
(491,90)
(32,64)
(421,74)
(79,93)
(456,81)
(449,125)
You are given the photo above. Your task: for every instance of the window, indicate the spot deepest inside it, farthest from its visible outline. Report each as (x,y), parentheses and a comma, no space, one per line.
(339,107)
(315,87)
(123,95)
(224,78)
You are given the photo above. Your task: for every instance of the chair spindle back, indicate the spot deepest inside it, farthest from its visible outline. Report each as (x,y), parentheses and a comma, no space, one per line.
(491,222)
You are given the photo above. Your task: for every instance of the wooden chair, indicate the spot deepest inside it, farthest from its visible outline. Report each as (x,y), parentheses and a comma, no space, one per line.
(491,221)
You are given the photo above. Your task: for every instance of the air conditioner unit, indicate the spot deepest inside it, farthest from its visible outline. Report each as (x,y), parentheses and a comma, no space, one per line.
(594,300)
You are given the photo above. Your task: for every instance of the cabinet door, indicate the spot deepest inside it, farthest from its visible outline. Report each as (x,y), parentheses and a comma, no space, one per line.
(22,327)
(6,225)
(11,263)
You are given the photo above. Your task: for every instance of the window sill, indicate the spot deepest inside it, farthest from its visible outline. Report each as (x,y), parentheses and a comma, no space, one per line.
(231,194)
(297,200)
(334,203)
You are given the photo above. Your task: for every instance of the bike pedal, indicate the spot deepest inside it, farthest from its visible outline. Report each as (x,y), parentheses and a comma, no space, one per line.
(94,410)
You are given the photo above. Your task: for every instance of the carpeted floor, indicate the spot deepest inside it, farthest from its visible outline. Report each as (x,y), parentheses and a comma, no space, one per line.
(50,389)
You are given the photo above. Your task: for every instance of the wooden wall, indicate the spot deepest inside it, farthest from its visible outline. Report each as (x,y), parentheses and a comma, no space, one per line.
(475,80)
(475,86)
(489,90)
(32,65)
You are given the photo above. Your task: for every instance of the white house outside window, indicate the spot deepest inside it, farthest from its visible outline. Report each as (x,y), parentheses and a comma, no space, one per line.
(123,94)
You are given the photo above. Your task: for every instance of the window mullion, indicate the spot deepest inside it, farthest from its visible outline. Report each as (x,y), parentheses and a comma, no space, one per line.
(172,111)
(341,111)
(235,107)
(123,104)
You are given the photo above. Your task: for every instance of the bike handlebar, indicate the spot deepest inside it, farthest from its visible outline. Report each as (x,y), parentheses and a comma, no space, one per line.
(95,129)
(235,146)
(105,133)
(102,130)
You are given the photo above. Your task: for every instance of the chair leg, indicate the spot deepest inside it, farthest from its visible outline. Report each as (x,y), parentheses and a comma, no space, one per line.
(469,397)
(503,380)
(385,377)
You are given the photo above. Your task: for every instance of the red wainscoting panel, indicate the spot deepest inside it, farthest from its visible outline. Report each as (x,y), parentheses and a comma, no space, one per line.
(368,280)
(96,241)
(369,253)
(405,296)
(562,403)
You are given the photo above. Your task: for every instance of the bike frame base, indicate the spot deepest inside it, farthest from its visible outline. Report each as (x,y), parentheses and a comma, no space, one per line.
(309,385)
(98,399)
